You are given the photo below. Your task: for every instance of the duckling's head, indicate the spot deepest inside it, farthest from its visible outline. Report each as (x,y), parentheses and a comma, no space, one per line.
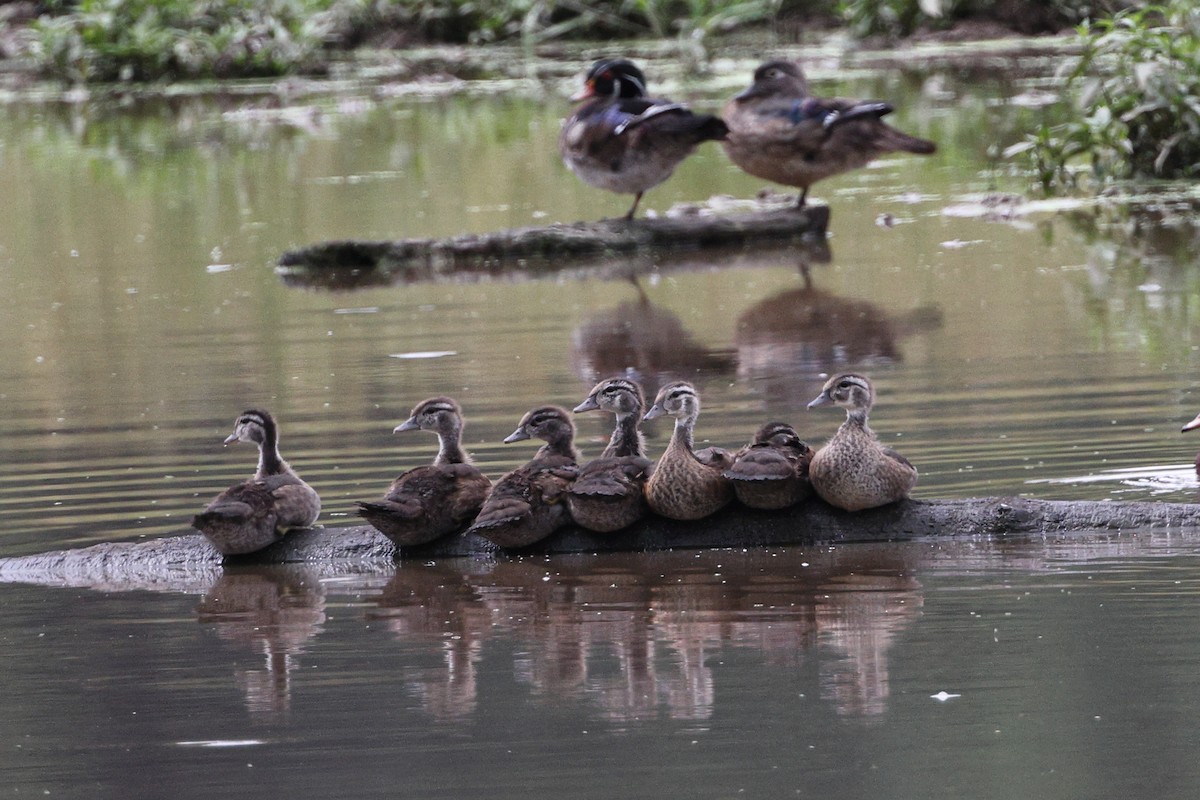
(254,426)
(777,79)
(619,396)
(437,414)
(849,391)
(678,399)
(779,434)
(549,423)
(612,77)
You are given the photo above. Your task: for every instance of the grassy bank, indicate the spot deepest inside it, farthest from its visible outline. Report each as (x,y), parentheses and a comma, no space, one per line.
(141,40)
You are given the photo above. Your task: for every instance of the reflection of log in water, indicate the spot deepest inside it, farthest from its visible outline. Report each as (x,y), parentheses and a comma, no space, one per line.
(539,251)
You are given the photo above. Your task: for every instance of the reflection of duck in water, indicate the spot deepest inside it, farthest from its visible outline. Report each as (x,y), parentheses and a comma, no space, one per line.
(786,338)
(639,338)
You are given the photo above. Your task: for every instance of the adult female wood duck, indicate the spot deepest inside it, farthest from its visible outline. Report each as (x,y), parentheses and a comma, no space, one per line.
(607,495)
(258,512)
(1191,426)
(528,504)
(780,133)
(772,471)
(431,501)
(625,142)
(686,484)
(853,471)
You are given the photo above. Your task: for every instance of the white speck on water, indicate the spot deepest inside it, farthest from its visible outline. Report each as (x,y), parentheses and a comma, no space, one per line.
(943,696)
(424,354)
(213,269)
(363,310)
(222,743)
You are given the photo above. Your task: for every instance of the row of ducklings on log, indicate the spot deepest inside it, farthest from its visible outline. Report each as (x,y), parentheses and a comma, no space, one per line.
(853,471)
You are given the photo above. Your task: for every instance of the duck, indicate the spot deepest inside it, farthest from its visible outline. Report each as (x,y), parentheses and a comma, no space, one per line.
(1191,426)
(780,133)
(771,472)
(428,502)
(258,512)
(608,493)
(529,503)
(853,471)
(686,484)
(623,141)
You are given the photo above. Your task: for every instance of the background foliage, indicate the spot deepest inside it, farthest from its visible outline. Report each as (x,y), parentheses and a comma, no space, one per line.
(1134,102)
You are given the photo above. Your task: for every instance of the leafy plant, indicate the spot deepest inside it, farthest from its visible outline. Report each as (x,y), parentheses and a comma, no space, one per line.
(1135,97)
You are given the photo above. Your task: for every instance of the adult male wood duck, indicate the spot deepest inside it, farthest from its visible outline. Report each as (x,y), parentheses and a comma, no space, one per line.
(778,132)
(623,141)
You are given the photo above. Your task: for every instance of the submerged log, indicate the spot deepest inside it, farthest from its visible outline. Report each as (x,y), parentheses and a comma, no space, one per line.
(170,560)
(543,251)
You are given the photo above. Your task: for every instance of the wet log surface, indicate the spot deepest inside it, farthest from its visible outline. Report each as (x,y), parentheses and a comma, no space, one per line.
(189,558)
(554,249)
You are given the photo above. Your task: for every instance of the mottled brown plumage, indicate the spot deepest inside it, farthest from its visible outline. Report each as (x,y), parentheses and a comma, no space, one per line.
(779,133)
(428,502)
(772,471)
(686,484)
(608,494)
(853,471)
(529,503)
(258,512)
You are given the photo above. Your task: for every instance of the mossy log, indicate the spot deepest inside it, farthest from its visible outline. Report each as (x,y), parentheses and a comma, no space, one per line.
(186,559)
(546,250)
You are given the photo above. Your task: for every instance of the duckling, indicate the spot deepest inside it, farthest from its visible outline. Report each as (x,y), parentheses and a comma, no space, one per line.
(256,513)
(772,471)
(426,503)
(1195,423)
(607,495)
(686,484)
(780,133)
(625,142)
(853,471)
(527,504)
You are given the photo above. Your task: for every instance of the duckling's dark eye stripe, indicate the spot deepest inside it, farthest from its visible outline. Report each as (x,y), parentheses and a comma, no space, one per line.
(434,408)
(616,387)
(252,419)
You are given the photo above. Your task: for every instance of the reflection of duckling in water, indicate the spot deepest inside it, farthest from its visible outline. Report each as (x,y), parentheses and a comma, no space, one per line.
(273,610)
(638,337)
(799,331)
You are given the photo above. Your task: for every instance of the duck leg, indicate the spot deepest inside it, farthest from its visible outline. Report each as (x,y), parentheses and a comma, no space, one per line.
(637,199)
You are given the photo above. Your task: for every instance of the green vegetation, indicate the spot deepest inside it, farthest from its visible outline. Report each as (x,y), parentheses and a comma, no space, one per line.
(139,40)
(135,40)
(1135,94)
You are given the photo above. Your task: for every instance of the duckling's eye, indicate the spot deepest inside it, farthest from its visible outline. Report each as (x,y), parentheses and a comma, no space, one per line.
(772,73)
(845,385)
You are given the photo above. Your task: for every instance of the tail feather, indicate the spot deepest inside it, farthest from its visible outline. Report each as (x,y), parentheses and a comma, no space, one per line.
(896,140)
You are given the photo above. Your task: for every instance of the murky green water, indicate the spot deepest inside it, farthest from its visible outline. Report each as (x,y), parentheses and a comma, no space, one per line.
(1014,353)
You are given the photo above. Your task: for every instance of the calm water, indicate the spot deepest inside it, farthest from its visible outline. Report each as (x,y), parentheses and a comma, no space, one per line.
(1023,351)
